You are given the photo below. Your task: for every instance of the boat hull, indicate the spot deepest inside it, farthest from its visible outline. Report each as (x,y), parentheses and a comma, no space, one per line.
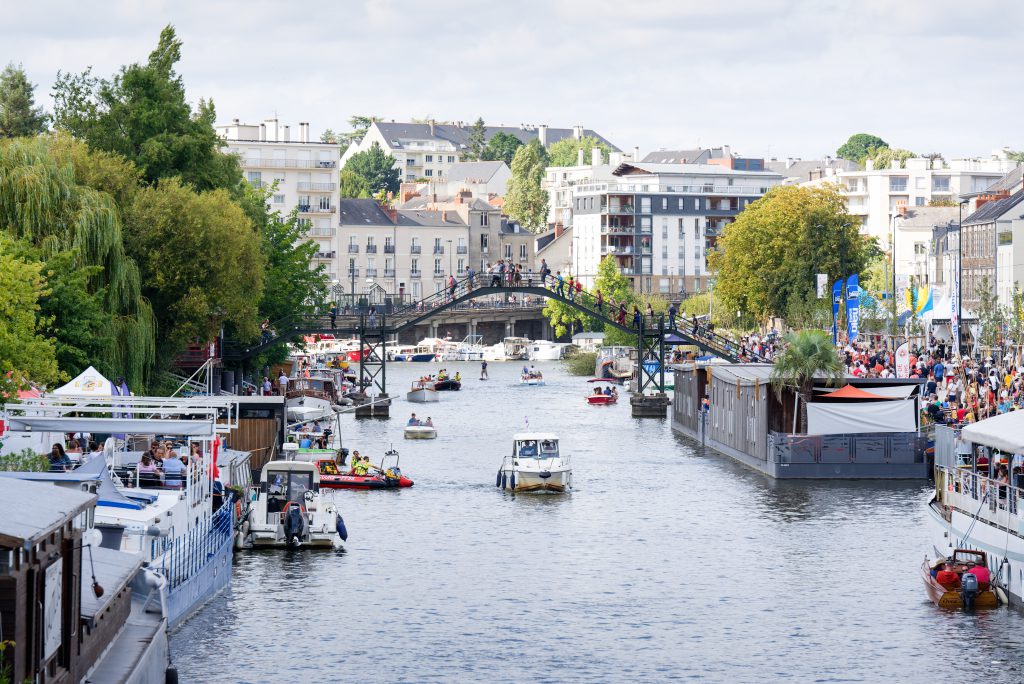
(363,482)
(532,382)
(601,400)
(423,396)
(447,386)
(415,358)
(524,481)
(420,432)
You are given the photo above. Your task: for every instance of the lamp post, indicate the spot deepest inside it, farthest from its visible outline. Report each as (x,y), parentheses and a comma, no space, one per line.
(452,272)
(960,270)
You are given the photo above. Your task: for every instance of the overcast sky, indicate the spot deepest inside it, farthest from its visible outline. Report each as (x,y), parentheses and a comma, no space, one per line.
(769,77)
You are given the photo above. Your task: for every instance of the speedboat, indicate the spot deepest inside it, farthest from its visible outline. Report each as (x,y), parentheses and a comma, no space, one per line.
(535,465)
(419,354)
(422,392)
(600,398)
(420,432)
(447,385)
(470,349)
(950,583)
(289,512)
(386,477)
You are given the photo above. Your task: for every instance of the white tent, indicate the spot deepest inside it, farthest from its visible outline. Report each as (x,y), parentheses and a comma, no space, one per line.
(1005,432)
(89,383)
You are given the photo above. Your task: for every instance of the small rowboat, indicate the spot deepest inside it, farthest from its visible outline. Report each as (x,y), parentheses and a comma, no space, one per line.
(950,583)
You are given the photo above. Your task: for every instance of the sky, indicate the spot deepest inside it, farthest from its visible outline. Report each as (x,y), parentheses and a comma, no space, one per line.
(771,78)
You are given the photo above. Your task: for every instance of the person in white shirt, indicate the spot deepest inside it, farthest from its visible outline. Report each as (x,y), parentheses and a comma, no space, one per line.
(282,382)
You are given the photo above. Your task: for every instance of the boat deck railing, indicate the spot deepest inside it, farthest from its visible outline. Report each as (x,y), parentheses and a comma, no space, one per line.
(186,555)
(974,494)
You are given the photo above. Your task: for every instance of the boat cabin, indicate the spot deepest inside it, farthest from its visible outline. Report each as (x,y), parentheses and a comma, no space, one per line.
(322,388)
(535,445)
(284,481)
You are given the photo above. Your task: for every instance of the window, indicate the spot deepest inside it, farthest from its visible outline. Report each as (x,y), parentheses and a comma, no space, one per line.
(278,199)
(483,242)
(280,177)
(682,229)
(428,158)
(897,183)
(664,229)
(389,245)
(940,183)
(919,201)
(414,265)
(437,267)
(451,159)
(645,224)
(645,205)
(438,248)
(483,220)
(255,178)
(696,204)
(325,203)
(664,202)
(522,252)
(461,265)
(351,266)
(462,245)
(508,251)
(428,173)
(440,172)
(680,204)
(352,241)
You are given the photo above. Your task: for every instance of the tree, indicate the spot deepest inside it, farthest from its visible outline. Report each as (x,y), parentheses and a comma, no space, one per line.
(25,352)
(360,125)
(141,114)
(883,158)
(526,201)
(501,147)
(200,260)
(476,141)
(990,316)
(328,136)
(767,259)
(1015,316)
(377,168)
(565,152)
(806,354)
(19,115)
(353,185)
(857,147)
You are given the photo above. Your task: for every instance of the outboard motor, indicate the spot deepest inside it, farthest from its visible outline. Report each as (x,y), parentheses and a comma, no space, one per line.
(293,522)
(969,590)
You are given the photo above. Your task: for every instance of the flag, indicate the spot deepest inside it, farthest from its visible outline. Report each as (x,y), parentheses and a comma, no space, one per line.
(853,307)
(837,299)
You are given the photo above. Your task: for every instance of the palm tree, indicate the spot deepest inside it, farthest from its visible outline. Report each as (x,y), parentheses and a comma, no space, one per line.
(806,354)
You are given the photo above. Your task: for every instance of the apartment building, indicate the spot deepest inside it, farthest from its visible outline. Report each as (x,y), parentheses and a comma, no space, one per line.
(796,171)
(562,182)
(407,252)
(993,248)
(876,195)
(659,220)
(915,233)
(428,150)
(305,172)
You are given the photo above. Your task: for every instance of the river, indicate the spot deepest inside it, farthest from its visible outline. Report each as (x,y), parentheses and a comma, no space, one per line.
(667,562)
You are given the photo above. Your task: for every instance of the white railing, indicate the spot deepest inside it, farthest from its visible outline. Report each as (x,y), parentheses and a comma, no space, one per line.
(994,502)
(316,187)
(681,188)
(260,163)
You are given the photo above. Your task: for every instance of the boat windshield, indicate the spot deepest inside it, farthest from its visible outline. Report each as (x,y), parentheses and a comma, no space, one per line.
(549,447)
(531,448)
(288,486)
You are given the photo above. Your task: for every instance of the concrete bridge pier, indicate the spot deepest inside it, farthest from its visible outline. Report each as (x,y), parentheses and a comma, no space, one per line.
(649,405)
(372,407)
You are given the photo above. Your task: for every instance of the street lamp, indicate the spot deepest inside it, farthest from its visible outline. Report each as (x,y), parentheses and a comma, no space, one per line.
(452,272)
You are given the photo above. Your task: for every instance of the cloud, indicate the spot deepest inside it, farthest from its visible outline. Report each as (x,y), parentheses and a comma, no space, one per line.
(769,77)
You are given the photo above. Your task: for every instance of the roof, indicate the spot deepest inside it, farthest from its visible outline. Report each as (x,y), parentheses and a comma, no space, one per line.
(693,169)
(479,172)
(277,466)
(1005,432)
(362,212)
(694,156)
(425,202)
(1008,182)
(929,217)
(744,373)
(534,435)
(803,168)
(395,132)
(114,569)
(993,210)
(423,217)
(29,511)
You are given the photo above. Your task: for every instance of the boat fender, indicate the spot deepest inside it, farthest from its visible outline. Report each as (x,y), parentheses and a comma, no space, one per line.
(340,526)
(500,482)
(1001,595)
(171,675)
(512,481)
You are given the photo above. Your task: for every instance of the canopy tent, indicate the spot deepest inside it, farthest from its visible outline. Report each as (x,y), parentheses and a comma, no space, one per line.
(1005,432)
(851,393)
(901,391)
(89,383)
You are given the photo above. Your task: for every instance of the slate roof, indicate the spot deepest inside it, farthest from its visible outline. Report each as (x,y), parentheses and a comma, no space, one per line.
(695,156)
(422,217)
(362,212)
(991,211)
(1009,181)
(802,168)
(645,167)
(395,132)
(476,204)
(29,511)
(480,172)
(929,217)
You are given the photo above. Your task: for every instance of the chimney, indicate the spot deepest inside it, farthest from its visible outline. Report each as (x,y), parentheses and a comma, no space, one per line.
(789,162)
(273,131)
(559,229)
(390,210)
(991,197)
(901,207)
(636,153)
(431,124)
(579,157)
(596,156)
(542,134)
(577,132)
(444,217)
(304,132)
(286,135)
(263,132)
(869,165)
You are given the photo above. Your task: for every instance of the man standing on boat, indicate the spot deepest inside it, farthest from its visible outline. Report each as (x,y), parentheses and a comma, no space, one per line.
(282,382)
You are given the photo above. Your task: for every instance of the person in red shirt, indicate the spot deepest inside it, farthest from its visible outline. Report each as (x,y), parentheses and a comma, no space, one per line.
(983,575)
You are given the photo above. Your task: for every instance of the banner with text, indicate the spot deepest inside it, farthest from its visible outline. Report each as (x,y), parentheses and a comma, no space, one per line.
(837,300)
(903,361)
(853,307)
(954,314)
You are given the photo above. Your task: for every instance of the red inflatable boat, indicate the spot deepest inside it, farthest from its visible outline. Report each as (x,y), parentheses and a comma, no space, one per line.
(332,478)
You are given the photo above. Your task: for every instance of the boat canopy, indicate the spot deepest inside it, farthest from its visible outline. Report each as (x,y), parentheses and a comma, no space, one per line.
(1005,432)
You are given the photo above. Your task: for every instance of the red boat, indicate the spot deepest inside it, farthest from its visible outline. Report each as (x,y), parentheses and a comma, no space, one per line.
(386,478)
(600,398)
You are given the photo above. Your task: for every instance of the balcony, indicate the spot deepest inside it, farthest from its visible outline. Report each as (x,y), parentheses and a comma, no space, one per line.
(325,255)
(617,230)
(316,187)
(438,250)
(415,273)
(371,249)
(371,273)
(389,249)
(353,273)
(316,209)
(439,274)
(389,273)
(353,249)
(415,249)
(323,231)
(617,250)
(462,249)
(255,163)
(617,209)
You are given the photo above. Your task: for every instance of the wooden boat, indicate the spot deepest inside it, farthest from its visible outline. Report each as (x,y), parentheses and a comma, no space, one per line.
(948,588)
(422,392)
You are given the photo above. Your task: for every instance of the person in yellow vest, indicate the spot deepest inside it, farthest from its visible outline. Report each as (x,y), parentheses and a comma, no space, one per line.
(361,466)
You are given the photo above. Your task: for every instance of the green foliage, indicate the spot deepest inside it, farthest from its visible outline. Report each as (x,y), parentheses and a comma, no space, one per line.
(141,113)
(377,168)
(580,363)
(200,260)
(353,185)
(476,141)
(25,461)
(1015,156)
(525,200)
(360,125)
(941,202)
(614,285)
(805,354)
(502,147)
(883,158)
(856,149)
(19,115)
(990,315)
(767,259)
(25,353)
(328,136)
(565,151)
(1015,315)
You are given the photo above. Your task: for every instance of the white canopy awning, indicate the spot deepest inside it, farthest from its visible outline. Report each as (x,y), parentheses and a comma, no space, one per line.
(89,383)
(1005,432)
(110,426)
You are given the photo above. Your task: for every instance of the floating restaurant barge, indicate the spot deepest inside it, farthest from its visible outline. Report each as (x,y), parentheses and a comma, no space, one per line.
(869,429)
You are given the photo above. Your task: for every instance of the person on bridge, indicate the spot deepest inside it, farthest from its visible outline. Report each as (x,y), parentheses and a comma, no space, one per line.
(501,272)
(470,275)
(517,278)
(600,301)
(672,311)
(621,318)
(636,317)
(451,286)
(373,315)
(579,286)
(559,284)
(544,272)
(529,277)
(572,288)
(495,278)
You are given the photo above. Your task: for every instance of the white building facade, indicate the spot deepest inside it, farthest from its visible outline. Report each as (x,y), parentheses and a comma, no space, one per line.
(306,174)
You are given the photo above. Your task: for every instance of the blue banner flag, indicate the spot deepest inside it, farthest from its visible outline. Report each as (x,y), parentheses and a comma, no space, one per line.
(853,307)
(837,300)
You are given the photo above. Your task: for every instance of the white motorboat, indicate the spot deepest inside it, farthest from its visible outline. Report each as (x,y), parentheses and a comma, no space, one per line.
(420,432)
(469,349)
(543,350)
(423,392)
(289,512)
(509,349)
(536,465)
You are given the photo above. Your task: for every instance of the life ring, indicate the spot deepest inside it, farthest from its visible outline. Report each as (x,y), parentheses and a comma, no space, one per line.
(288,505)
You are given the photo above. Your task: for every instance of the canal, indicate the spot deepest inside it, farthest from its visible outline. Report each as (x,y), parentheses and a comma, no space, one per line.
(667,562)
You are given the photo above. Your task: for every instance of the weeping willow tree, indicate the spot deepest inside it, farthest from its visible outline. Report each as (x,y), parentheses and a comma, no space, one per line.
(42,203)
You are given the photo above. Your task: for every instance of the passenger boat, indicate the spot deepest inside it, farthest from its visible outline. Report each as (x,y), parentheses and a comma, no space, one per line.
(543,350)
(531,376)
(470,349)
(535,465)
(420,432)
(418,354)
(386,477)
(422,392)
(289,512)
(509,349)
(950,583)
(600,398)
